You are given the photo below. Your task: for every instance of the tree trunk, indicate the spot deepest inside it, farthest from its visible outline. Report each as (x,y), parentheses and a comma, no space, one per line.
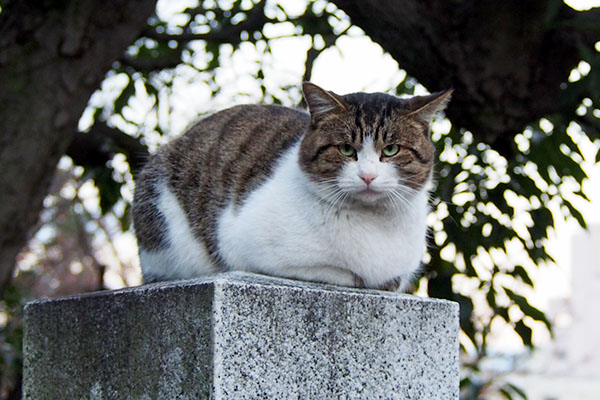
(53,55)
(506,60)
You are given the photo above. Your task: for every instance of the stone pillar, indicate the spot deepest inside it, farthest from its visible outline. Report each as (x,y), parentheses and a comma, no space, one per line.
(241,336)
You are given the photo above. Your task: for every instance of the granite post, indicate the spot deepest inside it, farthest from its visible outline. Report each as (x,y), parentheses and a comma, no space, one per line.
(241,336)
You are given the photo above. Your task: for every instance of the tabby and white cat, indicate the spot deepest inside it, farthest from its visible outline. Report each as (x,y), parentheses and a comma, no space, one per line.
(337,195)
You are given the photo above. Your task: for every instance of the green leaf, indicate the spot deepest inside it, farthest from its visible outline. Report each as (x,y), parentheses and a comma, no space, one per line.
(517,390)
(124,97)
(520,272)
(542,216)
(109,189)
(505,393)
(496,196)
(528,309)
(125,219)
(542,219)
(464,382)
(214,50)
(524,332)
(466,309)
(565,165)
(552,12)
(503,312)
(582,195)
(521,183)
(152,90)
(469,269)
(509,390)
(97,113)
(440,287)
(491,298)
(575,213)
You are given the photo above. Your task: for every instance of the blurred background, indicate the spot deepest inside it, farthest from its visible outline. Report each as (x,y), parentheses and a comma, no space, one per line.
(88,90)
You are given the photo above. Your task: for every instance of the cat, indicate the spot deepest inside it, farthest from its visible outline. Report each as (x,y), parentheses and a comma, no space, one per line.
(338,194)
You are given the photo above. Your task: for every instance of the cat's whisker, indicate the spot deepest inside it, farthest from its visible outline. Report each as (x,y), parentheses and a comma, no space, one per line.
(408,192)
(333,207)
(401,201)
(328,180)
(326,187)
(397,201)
(332,194)
(410,177)
(401,204)
(390,200)
(404,180)
(340,204)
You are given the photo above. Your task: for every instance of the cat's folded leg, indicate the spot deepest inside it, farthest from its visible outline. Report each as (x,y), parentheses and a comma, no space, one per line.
(358,281)
(323,274)
(392,285)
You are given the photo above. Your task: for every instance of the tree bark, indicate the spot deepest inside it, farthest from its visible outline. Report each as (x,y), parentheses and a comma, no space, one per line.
(53,55)
(506,60)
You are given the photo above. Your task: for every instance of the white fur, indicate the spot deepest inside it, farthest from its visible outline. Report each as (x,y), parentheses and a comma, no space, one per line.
(288,227)
(185,257)
(368,163)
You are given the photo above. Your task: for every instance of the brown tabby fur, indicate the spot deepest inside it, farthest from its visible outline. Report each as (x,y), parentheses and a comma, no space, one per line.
(223,156)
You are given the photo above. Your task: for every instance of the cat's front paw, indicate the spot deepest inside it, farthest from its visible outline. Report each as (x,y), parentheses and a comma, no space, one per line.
(391,285)
(358,281)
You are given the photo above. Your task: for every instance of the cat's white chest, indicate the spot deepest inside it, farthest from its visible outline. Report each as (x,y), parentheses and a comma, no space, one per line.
(284,229)
(378,248)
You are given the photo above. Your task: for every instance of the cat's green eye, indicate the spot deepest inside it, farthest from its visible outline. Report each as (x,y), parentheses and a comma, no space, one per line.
(346,150)
(391,150)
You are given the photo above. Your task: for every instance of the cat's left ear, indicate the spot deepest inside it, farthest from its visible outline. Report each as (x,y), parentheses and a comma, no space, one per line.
(426,107)
(321,101)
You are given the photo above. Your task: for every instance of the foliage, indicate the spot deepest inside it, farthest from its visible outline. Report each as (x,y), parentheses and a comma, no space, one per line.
(486,207)
(11,337)
(67,255)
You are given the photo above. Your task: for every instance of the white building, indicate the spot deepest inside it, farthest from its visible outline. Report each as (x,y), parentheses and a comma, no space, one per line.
(569,367)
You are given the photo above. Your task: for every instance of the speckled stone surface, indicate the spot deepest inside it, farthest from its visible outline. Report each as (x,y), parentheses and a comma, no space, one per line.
(241,336)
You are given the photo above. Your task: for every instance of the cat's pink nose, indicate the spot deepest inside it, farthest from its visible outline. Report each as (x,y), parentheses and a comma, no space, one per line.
(368,178)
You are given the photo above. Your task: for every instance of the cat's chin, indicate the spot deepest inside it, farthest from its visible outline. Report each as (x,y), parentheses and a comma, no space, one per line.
(369,196)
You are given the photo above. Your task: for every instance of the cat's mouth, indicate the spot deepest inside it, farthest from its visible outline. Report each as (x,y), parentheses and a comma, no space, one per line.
(369,194)
(369,190)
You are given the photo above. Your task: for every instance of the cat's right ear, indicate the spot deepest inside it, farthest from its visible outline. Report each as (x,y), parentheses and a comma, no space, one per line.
(321,101)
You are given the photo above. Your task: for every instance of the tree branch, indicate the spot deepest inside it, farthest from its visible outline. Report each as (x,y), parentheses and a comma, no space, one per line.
(506,61)
(151,64)
(586,23)
(229,34)
(96,147)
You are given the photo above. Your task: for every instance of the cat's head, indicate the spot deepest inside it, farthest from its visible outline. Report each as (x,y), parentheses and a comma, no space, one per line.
(369,148)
